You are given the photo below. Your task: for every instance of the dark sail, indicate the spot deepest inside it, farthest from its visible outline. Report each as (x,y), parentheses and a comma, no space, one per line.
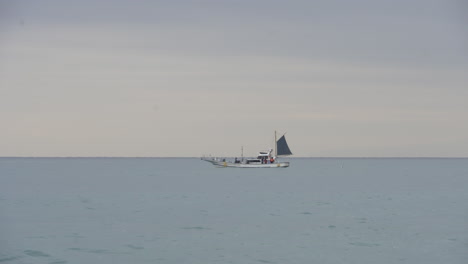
(282,147)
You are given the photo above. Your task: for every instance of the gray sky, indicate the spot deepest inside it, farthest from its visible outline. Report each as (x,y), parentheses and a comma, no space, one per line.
(186,78)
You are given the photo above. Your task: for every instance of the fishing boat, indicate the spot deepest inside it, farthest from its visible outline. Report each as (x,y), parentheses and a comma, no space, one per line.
(264,159)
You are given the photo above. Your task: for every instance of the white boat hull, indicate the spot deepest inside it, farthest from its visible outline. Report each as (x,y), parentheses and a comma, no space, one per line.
(244,165)
(264,159)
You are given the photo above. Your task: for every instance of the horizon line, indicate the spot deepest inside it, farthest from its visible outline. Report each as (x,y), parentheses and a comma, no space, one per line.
(191,157)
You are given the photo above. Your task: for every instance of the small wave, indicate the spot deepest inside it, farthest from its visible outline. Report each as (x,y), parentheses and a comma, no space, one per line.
(363,244)
(134,247)
(96,251)
(264,261)
(58,262)
(5,259)
(196,228)
(35,253)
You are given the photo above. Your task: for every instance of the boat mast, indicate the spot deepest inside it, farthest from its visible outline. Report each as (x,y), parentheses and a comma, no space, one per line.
(242,153)
(276,146)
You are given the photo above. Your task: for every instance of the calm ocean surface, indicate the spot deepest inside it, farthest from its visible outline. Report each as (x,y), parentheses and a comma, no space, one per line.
(145,210)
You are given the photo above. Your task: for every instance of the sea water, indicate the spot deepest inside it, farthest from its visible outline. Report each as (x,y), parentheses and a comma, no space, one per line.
(158,210)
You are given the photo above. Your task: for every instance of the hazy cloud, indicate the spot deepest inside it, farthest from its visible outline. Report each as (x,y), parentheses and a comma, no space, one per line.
(183,78)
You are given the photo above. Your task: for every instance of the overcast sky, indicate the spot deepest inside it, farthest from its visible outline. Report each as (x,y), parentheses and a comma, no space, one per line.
(363,78)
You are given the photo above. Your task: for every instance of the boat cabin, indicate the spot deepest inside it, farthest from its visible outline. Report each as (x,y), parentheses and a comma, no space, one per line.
(263,157)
